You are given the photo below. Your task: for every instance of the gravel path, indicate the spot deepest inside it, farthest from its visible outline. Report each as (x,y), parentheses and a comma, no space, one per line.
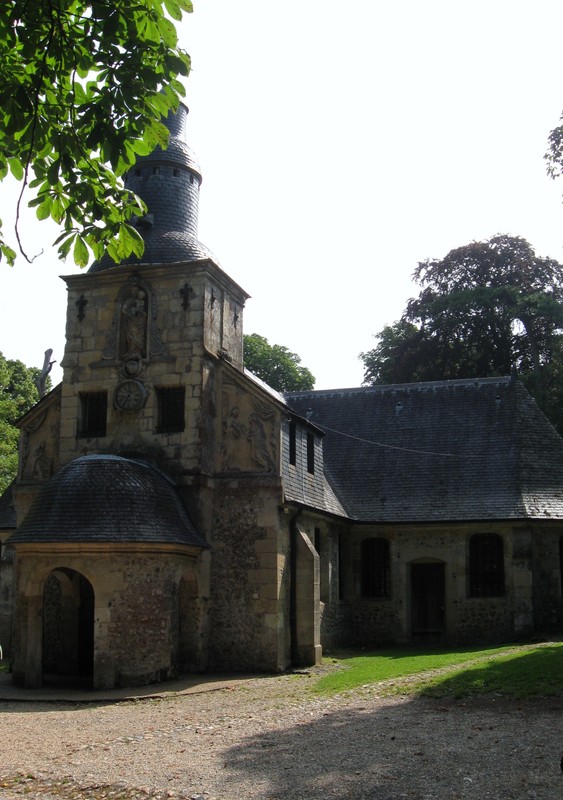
(271,738)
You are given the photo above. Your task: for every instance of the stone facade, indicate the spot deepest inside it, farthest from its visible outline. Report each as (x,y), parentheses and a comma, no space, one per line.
(153,376)
(172,513)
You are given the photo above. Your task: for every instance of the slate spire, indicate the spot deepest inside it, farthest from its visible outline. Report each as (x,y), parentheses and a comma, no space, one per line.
(169,182)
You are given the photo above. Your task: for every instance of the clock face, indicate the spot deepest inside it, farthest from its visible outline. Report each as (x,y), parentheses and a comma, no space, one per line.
(130,395)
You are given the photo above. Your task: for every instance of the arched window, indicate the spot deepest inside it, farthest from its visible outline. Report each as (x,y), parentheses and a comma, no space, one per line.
(486,565)
(375,568)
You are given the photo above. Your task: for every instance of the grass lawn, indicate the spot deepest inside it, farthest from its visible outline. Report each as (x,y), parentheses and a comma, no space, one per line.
(517,671)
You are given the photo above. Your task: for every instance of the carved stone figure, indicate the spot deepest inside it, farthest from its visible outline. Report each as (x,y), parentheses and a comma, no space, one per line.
(40,463)
(259,446)
(134,321)
(234,432)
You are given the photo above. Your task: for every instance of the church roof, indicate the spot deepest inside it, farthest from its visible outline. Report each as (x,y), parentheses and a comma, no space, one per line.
(7,511)
(162,247)
(438,451)
(105,498)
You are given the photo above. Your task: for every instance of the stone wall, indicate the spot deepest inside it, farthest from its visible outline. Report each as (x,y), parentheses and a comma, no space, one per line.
(548,588)
(249,610)
(6,596)
(527,603)
(180,313)
(136,612)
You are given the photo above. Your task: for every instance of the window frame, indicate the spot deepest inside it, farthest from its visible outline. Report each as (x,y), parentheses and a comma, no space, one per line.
(375,568)
(93,411)
(310,452)
(486,572)
(170,416)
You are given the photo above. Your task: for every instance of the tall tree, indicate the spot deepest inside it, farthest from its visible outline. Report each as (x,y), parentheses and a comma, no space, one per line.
(489,308)
(18,393)
(276,365)
(83,87)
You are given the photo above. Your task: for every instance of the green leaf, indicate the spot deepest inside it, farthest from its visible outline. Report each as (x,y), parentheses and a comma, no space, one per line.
(64,249)
(103,83)
(173,9)
(44,210)
(16,168)
(8,254)
(53,172)
(140,147)
(158,133)
(80,252)
(135,240)
(57,209)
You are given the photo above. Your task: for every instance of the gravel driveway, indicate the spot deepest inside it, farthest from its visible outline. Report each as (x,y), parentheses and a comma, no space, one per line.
(270,737)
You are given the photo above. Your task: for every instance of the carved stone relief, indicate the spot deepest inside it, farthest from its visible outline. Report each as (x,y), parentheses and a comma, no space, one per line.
(134,337)
(261,427)
(39,448)
(40,463)
(234,434)
(248,434)
(134,315)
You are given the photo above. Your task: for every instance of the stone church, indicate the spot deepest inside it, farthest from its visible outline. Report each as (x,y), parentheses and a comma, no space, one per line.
(173,513)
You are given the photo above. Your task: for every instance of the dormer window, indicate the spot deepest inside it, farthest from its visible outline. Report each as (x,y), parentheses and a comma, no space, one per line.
(292,443)
(311,453)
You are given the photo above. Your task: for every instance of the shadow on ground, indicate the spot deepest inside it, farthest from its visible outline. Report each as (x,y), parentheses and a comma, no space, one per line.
(409,749)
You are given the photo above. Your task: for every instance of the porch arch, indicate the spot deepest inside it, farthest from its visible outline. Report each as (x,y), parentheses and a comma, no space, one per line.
(68,628)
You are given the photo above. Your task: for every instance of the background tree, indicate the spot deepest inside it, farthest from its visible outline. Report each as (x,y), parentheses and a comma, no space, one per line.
(18,393)
(489,308)
(276,365)
(83,87)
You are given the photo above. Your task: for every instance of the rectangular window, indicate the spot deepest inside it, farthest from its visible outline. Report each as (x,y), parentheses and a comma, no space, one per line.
(486,565)
(292,443)
(93,414)
(170,410)
(311,453)
(376,567)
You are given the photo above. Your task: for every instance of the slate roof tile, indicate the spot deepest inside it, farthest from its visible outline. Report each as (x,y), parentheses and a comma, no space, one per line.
(7,511)
(104,498)
(438,451)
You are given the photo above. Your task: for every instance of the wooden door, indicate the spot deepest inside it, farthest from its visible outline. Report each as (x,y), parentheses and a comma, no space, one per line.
(427,601)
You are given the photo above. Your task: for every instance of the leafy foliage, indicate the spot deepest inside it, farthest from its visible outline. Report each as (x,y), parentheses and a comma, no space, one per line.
(489,308)
(276,365)
(83,88)
(554,154)
(18,393)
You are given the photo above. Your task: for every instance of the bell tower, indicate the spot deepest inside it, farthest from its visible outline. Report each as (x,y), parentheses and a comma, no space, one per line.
(142,335)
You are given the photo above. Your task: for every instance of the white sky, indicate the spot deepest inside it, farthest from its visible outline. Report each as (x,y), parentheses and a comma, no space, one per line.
(340,144)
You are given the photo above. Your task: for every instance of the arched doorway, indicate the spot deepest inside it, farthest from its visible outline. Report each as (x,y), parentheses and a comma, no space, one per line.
(428,601)
(68,628)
